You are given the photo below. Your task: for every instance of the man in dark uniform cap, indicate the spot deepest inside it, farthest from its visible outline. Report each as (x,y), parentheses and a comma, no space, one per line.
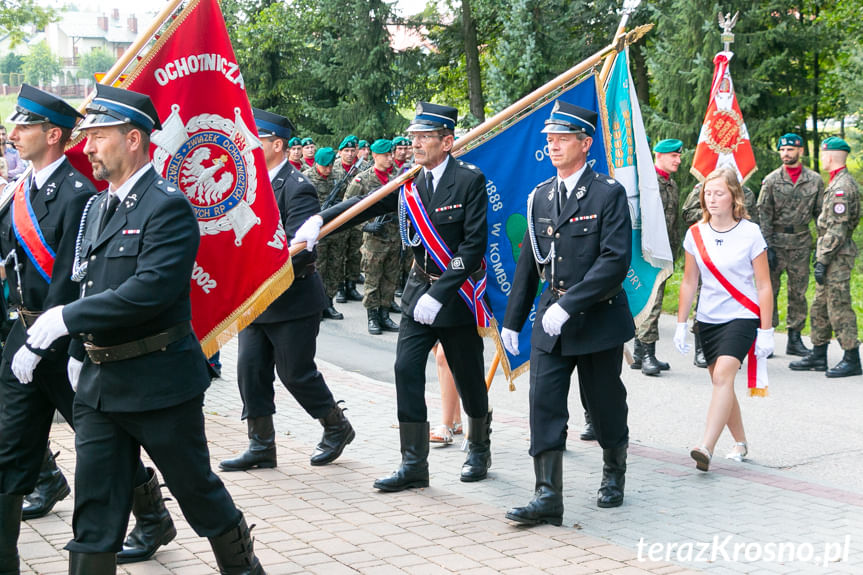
(143,376)
(284,336)
(579,240)
(453,195)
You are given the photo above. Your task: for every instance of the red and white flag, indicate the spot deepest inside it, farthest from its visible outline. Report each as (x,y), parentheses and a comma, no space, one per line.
(209,148)
(724,140)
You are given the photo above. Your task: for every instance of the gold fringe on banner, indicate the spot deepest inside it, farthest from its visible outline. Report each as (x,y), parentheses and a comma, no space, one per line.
(757,392)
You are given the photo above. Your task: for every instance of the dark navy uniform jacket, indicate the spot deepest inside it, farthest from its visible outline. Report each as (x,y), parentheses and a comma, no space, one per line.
(457,209)
(593,245)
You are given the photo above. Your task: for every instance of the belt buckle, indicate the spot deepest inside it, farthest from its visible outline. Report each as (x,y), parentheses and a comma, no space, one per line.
(89,347)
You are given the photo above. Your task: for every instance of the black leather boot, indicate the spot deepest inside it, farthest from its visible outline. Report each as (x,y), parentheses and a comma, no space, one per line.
(478,459)
(815,360)
(153,524)
(235,551)
(51,487)
(795,345)
(699,360)
(374,321)
(547,503)
(92,563)
(341,296)
(610,492)
(332,313)
(850,365)
(262,447)
(588,433)
(351,291)
(414,470)
(649,365)
(338,432)
(395,308)
(637,354)
(10,527)
(385,322)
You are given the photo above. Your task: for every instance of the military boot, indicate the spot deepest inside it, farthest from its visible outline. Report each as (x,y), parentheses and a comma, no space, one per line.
(478,460)
(351,291)
(92,563)
(815,360)
(10,527)
(610,492)
(850,365)
(795,345)
(386,323)
(338,432)
(153,524)
(414,470)
(51,487)
(332,313)
(649,364)
(262,447)
(341,294)
(235,551)
(637,354)
(547,503)
(699,360)
(374,321)
(588,433)
(395,308)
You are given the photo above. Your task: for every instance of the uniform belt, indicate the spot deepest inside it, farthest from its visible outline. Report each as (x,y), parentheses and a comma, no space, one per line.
(139,347)
(794,229)
(610,295)
(430,278)
(29,317)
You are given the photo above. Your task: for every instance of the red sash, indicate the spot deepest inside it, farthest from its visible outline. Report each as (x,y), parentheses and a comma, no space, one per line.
(28,233)
(739,297)
(471,291)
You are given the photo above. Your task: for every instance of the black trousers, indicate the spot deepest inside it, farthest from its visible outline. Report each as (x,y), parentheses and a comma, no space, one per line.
(108,446)
(462,346)
(602,393)
(290,347)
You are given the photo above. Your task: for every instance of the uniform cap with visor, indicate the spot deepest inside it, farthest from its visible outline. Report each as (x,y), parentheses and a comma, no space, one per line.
(568,118)
(37,107)
(116,106)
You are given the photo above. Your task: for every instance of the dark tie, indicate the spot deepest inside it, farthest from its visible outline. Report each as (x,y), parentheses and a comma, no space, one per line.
(33,187)
(113,202)
(561,197)
(429,183)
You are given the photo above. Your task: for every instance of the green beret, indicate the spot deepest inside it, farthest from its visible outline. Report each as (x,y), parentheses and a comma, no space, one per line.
(401,141)
(790,140)
(668,146)
(382,147)
(835,143)
(349,142)
(362,144)
(307,141)
(325,156)
(295,141)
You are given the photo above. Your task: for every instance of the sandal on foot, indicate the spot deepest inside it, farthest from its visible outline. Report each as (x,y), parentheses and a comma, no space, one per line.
(702,457)
(738,456)
(457,429)
(441,434)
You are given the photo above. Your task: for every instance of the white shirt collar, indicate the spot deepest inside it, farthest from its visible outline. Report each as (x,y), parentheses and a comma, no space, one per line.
(572,180)
(127,186)
(42,175)
(437,171)
(275,171)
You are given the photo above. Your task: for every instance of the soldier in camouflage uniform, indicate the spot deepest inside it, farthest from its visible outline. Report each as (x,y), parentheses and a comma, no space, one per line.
(667,162)
(354,236)
(790,197)
(402,162)
(381,243)
(834,260)
(692,213)
(331,250)
(309,150)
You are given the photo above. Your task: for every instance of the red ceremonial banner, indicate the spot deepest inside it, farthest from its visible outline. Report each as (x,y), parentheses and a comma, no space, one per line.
(208,147)
(724,140)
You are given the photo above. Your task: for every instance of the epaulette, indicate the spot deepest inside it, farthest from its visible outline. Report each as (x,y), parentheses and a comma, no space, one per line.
(166,186)
(468,166)
(604,179)
(544,182)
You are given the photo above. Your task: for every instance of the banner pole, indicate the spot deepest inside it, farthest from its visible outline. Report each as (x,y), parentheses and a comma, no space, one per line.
(628,8)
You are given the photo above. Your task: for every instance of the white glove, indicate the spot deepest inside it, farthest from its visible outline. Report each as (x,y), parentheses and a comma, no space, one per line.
(764,343)
(24,364)
(308,232)
(680,339)
(553,320)
(47,329)
(426,309)
(73,370)
(510,340)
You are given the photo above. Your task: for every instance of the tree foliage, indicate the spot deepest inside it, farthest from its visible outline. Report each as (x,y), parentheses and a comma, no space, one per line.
(16,15)
(41,66)
(96,61)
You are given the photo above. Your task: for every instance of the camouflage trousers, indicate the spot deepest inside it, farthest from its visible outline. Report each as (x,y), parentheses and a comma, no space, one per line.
(648,330)
(331,261)
(795,263)
(380,263)
(352,261)
(831,308)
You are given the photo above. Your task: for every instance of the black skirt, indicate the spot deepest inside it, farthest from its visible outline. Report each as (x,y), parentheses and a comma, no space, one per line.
(733,338)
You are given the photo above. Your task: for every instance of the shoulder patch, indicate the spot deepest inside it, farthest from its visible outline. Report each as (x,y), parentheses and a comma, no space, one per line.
(840,193)
(839,208)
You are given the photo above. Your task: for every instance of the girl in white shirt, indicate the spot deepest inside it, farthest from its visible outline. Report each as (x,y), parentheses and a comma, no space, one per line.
(727,327)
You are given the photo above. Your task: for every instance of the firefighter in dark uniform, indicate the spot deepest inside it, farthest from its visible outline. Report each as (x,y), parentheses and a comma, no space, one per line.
(579,240)
(54,196)
(142,379)
(453,195)
(284,335)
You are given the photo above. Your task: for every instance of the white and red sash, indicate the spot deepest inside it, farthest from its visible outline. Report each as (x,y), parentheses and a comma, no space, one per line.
(756,378)
(471,291)
(29,234)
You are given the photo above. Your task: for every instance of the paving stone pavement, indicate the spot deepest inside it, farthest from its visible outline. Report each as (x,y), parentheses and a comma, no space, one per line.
(330,520)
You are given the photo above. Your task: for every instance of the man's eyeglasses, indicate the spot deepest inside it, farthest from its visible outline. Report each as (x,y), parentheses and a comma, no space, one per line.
(425,137)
